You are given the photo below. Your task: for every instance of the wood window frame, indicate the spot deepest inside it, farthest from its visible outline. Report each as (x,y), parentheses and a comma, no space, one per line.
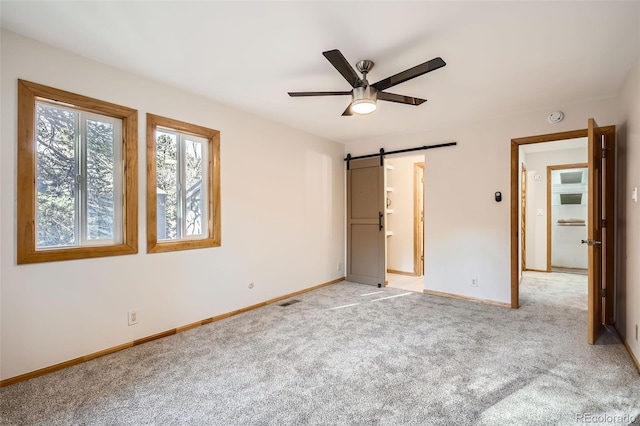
(213,238)
(28,94)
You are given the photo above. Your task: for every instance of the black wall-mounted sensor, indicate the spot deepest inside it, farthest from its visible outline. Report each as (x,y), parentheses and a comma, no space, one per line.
(498,196)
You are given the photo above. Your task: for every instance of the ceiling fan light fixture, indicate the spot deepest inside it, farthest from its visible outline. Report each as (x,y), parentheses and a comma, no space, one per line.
(364,97)
(364,100)
(364,106)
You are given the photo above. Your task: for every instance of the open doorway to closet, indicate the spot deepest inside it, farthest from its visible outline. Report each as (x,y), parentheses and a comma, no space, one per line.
(567,192)
(404,188)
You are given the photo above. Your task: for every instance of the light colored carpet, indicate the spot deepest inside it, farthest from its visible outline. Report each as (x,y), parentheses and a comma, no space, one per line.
(352,354)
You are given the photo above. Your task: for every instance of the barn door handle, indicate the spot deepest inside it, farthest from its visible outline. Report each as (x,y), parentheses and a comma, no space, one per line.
(380,221)
(592,242)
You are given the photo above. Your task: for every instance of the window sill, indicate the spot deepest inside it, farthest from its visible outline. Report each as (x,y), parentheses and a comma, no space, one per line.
(39,256)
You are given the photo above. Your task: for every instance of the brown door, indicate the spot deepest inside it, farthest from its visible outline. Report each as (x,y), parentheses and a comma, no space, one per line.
(600,227)
(366,240)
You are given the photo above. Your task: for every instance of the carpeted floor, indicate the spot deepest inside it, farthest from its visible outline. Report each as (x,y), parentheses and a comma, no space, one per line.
(352,354)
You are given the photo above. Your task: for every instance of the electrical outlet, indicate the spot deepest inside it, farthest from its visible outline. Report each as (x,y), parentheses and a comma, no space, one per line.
(133,317)
(474,282)
(251,285)
(339,266)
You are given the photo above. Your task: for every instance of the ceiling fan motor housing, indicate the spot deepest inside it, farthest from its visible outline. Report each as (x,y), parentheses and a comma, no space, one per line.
(364,93)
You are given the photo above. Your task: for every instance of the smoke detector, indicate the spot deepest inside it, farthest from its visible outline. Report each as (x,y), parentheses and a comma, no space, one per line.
(555,117)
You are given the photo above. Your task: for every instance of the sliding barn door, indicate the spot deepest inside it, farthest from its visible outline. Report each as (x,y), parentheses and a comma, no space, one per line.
(600,227)
(366,240)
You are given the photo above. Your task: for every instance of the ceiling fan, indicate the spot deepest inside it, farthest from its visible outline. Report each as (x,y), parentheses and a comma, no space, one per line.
(365,95)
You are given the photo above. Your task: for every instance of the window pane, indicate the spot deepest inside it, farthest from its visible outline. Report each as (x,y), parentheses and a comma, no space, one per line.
(56,176)
(193,196)
(167,185)
(100,180)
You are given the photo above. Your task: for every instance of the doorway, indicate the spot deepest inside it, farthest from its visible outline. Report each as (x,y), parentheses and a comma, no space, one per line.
(418,218)
(536,205)
(404,188)
(567,186)
(523,216)
(601,166)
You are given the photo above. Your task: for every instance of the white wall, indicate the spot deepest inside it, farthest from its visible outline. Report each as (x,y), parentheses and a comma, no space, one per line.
(467,233)
(400,244)
(536,239)
(282,223)
(628,213)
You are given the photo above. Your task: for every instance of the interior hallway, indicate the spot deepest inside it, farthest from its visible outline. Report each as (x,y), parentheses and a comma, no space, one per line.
(405,282)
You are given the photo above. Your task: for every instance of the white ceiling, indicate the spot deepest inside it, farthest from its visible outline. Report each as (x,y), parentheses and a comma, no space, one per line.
(502,57)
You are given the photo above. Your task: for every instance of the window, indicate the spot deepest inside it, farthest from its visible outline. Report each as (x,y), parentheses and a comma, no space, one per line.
(183,185)
(77,171)
(78,190)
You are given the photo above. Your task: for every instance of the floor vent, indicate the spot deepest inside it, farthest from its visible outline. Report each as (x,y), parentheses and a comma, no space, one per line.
(289,302)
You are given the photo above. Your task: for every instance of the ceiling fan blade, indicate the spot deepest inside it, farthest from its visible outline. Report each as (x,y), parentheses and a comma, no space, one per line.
(401,99)
(295,94)
(340,63)
(347,112)
(405,75)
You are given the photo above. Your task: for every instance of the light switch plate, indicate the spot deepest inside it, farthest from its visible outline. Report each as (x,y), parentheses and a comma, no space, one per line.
(634,195)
